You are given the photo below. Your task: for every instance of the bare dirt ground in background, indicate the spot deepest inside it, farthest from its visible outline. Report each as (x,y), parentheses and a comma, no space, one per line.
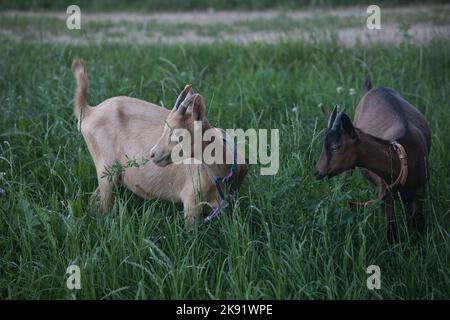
(211,17)
(390,33)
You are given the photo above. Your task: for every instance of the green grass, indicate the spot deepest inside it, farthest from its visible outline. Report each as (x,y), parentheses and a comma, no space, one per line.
(290,237)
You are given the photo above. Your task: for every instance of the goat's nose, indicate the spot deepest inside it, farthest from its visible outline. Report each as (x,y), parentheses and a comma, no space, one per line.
(317,175)
(152,154)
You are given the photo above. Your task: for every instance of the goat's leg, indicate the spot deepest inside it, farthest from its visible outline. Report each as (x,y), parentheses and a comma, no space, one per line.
(388,209)
(95,196)
(415,216)
(104,191)
(192,211)
(383,191)
(387,206)
(369,176)
(375,180)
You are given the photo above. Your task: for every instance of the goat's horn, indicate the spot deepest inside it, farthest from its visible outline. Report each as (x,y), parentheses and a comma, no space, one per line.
(185,104)
(332,117)
(187,89)
(338,121)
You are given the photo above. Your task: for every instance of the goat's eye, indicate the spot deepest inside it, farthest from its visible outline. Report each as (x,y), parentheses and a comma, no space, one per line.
(176,138)
(335,148)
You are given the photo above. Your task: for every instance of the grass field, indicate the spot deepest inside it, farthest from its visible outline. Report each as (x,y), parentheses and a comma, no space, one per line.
(290,237)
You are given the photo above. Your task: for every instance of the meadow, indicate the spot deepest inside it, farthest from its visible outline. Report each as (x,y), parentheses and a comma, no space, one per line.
(290,237)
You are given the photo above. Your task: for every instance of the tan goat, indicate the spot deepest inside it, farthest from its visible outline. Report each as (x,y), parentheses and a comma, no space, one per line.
(123,128)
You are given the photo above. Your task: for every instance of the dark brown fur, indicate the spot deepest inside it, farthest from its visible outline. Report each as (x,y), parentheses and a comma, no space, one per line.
(382,116)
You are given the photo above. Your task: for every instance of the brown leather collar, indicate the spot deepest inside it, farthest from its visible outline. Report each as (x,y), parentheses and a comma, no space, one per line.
(403,157)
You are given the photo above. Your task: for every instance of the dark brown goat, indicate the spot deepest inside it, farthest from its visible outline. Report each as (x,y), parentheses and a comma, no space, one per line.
(383,122)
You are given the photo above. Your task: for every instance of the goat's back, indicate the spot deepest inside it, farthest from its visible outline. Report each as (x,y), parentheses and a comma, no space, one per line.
(383,113)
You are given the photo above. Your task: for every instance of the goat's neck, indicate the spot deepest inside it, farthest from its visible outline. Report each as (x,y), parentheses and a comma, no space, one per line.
(378,156)
(221,169)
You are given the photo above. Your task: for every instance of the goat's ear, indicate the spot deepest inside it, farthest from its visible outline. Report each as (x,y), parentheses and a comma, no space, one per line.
(198,108)
(367,84)
(347,126)
(186,93)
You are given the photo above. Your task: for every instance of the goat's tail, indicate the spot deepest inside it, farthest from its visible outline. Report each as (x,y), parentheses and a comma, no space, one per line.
(80,75)
(367,84)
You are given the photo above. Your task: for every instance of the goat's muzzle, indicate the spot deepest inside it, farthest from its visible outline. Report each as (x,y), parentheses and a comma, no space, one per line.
(318,175)
(160,159)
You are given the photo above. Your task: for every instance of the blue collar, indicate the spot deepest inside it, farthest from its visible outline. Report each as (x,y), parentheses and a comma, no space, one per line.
(224,199)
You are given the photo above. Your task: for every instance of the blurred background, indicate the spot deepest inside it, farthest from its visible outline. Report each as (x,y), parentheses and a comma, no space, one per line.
(206,21)
(180,5)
